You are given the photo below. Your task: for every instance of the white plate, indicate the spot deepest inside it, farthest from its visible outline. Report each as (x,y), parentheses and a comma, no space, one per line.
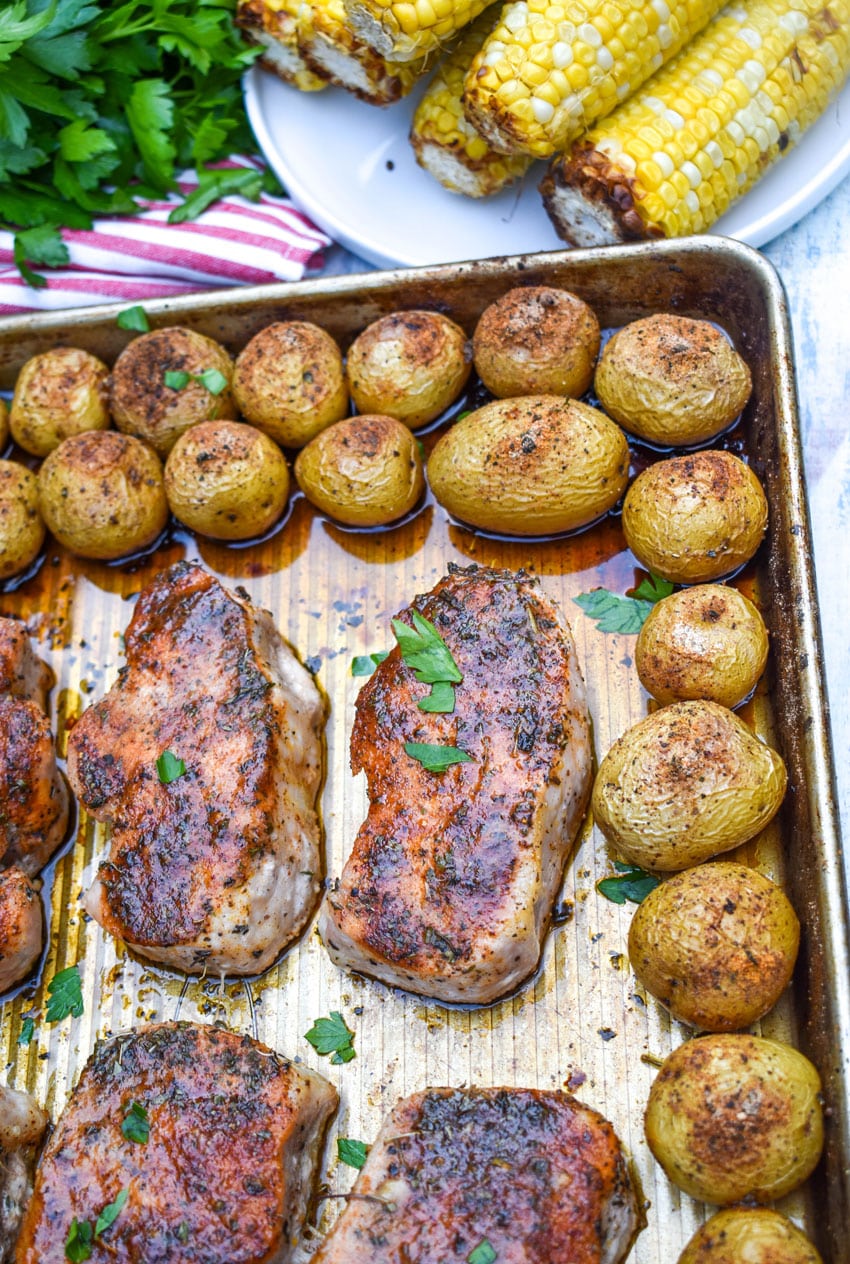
(350,167)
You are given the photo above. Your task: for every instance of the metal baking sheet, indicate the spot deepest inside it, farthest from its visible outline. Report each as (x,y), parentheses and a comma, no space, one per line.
(582,1022)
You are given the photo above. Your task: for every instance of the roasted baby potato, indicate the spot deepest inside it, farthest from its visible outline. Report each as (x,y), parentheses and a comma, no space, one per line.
(672,380)
(716,945)
(733,1116)
(144,405)
(535,465)
(536,341)
(684,784)
(703,642)
(749,1235)
(59,393)
(4,424)
(694,518)
(408,365)
(289,382)
(365,471)
(102,495)
(21,527)
(226,480)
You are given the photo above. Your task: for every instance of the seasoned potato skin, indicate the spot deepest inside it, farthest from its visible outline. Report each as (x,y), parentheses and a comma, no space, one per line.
(534,465)
(735,1116)
(408,365)
(58,393)
(684,784)
(21,526)
(692,519)
(716,945)
(703,642)
(143,406)
(671,380)
(536,341)
(749,1235)
(289,382)
(226,480)
(365,471)
(102,495)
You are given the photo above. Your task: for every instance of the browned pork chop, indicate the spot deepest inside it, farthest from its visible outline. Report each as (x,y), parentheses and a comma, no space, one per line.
(33,794)
(21,927)
(535,1176)
(218,868)
(22,674)
(234,1136)
(22,1125)
(449,888)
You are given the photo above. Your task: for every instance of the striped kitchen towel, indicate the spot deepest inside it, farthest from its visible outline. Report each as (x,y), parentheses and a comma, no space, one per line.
(134,258)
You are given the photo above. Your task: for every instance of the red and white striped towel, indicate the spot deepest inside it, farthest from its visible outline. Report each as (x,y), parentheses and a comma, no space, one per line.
(134,258)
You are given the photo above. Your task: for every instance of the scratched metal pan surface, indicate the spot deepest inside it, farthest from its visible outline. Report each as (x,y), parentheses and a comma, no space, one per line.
(581,1021)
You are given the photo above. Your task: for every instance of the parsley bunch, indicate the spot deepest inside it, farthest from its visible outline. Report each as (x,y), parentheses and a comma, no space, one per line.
(102,103)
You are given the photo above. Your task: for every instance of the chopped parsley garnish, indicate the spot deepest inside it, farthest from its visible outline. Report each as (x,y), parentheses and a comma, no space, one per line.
(632,884)
(482,1254)
(135,1125)
(65,996)
(614,613)
(134,318)
(425,651)
(111,1212)
(178,379)
(436,758)
(352,1152)
(27,1031)
(653,589)
(365,664)
(81,1235)
(332,1036)
(169,767)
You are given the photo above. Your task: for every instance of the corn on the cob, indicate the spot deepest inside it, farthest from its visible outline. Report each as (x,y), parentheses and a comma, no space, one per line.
(448,146)
(551,68)
(406,30)
(273,24)
(331,48)
(671,160)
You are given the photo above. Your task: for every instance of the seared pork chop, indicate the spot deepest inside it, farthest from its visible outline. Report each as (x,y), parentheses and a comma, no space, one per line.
(535,1175)
(233,1138)
(22,674)
(22,1125)
(214,859)
(449,888)
(21,927)
(33,794)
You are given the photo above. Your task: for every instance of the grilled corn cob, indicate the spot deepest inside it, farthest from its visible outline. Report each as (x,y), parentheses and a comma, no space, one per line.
(273,24)
(406,30)
(550,69)
(671,160)
(330,47)
(444,142)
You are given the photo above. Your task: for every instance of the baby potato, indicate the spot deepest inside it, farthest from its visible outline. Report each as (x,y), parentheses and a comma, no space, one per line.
(144,406)
(734,1116)
(749,1235)
(672,380)
(716,945)
(21,527)
(289,382)
(408,365)
(703,642)
(102,494)
(59,393)
(536,341)
(535,465)
(4,424)
(226,480)
(365,471)
(684,784)
(691,519)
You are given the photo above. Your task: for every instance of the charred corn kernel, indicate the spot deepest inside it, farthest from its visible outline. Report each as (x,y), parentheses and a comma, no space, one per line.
(547,71)
(405,31)
(273,24)
(766,70)
(448,146)
(330,47)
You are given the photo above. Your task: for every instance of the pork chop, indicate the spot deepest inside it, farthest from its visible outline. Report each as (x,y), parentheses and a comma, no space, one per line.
(535,1176)
(225,1138)
(22,674)
(33,794)
(206,758)
(21,927)
(449,888)
(22,1125)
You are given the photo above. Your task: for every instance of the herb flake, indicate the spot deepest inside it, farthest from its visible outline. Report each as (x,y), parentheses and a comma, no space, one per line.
(482,1254)
(133,318)
(613,613)
(332,1036)
(27,1032)
(436,758)
(135,1125)
(352,1152)
(65,996)
(170,767)
(78,1242)
(212,380)
(631,883)
(111,1212)
(365,664)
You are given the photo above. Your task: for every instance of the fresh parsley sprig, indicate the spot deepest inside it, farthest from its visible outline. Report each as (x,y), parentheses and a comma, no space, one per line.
(351,1152)
(613,613)
(426,653)
(631,883)
(64,996)
(135,1125)
(81,1235)
(332,1036)
(436,758)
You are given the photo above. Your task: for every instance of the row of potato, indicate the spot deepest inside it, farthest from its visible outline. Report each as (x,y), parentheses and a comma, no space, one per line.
(659,113)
